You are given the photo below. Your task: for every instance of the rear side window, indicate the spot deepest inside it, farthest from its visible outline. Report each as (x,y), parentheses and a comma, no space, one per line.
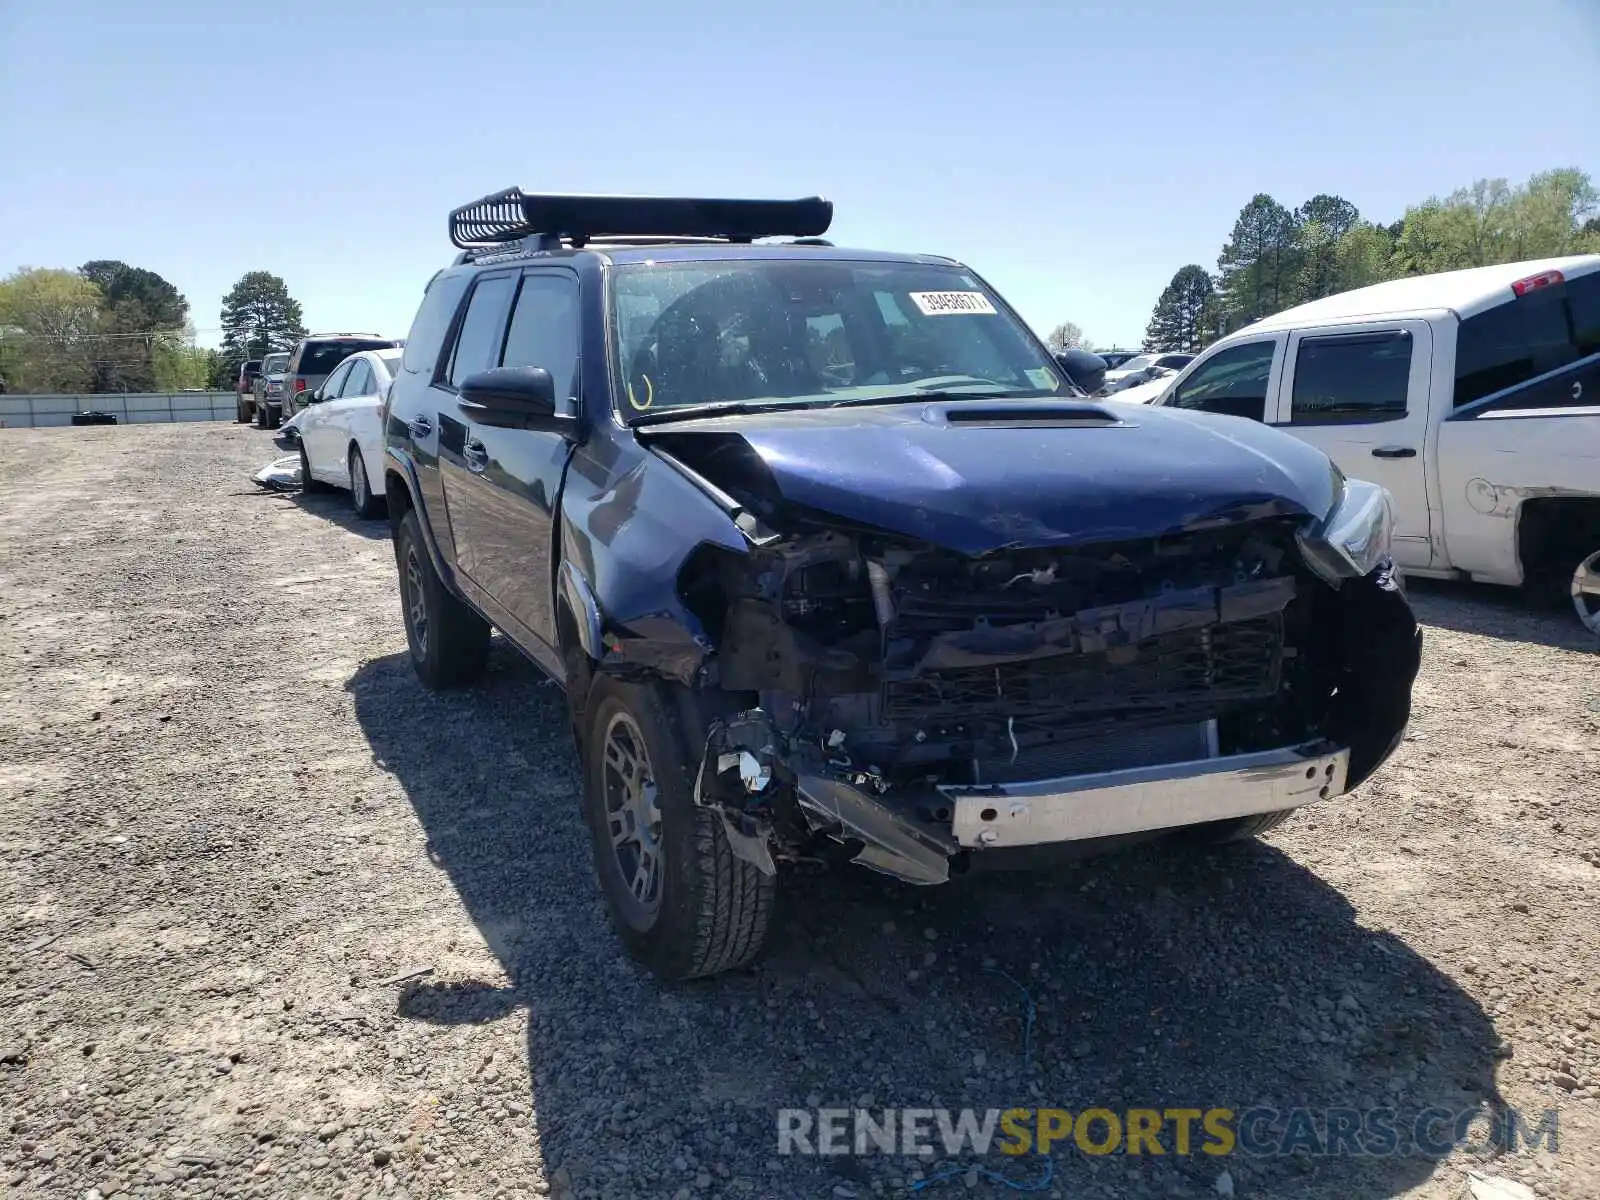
(1232,382)
(359,381)
(478,344)
(1351,378)
(1527,337)
(1583,300)
(432,321)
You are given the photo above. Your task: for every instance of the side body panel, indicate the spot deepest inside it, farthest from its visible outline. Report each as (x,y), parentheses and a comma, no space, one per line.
(411,429)
(1539,439)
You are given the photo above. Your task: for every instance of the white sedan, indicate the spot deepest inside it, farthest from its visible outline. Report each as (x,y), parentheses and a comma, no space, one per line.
(341,429)
(1143,369)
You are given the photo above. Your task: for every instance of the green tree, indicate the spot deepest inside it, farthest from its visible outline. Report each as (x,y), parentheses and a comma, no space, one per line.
(1588,239)
(50,321)
(1257,263)
(1429,240)
(1551,213)
(1321,223)
(1178,322)
(142,312)
(1335,214)
(178,366)
(1364,256)
(1493,222)
(258,316)
(1067,336)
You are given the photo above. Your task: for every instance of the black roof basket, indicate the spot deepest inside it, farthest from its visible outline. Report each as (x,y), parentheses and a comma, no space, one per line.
(512,215)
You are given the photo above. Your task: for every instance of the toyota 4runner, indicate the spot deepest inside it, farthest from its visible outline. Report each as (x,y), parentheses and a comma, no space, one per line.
(835,565)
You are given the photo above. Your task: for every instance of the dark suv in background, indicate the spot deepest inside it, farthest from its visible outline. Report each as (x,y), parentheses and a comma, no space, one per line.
(314,359)
(244,389)
(835,565)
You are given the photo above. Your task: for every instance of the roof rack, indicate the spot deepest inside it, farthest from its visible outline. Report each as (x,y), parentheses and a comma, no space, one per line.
(557,220)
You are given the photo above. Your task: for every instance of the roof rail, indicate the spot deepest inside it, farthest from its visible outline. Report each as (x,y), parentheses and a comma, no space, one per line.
(573,220)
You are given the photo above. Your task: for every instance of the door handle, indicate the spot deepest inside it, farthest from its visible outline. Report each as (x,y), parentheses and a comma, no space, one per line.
(420,427)
(476,455)
(1393,452)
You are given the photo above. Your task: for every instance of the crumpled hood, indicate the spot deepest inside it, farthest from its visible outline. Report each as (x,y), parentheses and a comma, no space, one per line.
(976,475)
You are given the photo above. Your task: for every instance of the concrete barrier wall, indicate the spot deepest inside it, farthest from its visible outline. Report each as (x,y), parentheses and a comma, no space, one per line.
(131,408)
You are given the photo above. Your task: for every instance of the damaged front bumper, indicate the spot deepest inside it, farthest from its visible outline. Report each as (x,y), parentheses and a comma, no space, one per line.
(924,835)
(920,714)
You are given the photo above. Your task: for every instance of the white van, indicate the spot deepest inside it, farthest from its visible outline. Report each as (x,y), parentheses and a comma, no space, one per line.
(1473,396)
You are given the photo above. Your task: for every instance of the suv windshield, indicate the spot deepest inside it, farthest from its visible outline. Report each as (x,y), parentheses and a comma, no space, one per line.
(274,364)
(820,333)
(320,358)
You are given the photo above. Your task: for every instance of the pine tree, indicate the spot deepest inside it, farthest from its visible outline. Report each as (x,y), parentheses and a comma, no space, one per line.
(258,316)
(1178,322)
(1257,267)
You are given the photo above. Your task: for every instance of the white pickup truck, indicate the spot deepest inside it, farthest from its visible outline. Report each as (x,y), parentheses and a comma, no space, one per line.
(1473,396)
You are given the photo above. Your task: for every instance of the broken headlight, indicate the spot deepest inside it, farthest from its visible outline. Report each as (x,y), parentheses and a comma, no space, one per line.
(1354,539)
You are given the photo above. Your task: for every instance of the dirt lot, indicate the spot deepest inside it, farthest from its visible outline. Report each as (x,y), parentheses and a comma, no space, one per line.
(235,833)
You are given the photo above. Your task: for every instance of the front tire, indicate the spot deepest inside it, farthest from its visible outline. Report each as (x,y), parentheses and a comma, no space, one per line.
(307,483)
(242,413)
(682,904)
(449,642)
(366,505)
(1235,829)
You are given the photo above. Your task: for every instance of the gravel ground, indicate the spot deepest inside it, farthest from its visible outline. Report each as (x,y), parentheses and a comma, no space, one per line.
(277,922)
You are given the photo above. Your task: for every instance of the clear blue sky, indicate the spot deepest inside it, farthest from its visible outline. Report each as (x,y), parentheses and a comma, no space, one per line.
(1075,153)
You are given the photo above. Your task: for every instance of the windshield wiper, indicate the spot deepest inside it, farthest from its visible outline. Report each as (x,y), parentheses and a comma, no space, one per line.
(722,408)
(937,394)
(741,408)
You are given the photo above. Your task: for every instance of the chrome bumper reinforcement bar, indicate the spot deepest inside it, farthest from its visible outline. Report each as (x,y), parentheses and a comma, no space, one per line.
(1144,798)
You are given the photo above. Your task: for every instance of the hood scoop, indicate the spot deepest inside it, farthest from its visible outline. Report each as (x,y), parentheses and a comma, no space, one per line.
(1020,414)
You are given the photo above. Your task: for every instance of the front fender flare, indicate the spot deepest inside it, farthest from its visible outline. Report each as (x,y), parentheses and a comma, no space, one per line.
(400,463)
(574,589)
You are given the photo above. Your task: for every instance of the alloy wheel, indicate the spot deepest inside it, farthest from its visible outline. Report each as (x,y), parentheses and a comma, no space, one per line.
(633,812)
(416,602)
(1586,592)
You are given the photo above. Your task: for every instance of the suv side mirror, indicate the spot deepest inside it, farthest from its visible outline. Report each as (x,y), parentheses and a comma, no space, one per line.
(1086,370)
(513,398)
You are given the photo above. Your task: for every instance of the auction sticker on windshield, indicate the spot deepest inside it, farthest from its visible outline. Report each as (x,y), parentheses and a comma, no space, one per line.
(941,304)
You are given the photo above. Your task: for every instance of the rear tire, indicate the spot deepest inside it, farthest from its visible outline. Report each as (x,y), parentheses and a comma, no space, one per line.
(366,505)
(261,416)
(274,417)
(699,910)
(1585,591)
(449,642)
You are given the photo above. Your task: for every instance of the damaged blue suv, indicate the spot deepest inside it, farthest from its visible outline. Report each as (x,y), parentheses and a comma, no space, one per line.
(836,565)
